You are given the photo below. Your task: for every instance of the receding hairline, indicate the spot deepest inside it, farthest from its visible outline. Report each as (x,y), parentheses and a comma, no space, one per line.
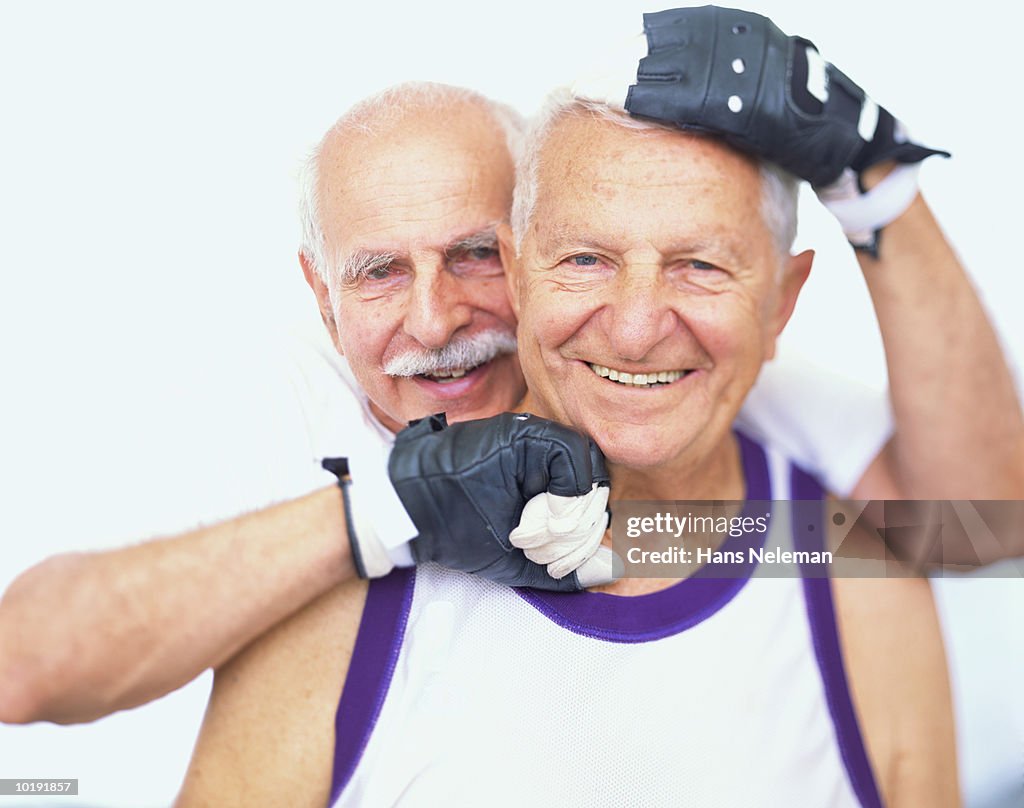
(778,188)
(387,111)
(377,116)
(690,142)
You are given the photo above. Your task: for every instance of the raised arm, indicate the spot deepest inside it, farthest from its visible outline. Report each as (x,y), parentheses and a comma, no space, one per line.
(959,424)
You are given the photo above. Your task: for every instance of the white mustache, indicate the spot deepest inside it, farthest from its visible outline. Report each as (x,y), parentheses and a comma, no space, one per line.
(461,352)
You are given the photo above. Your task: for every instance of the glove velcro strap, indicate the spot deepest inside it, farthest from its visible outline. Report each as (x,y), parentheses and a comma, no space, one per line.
(378,526)
(863,215)
(338,466)
(890,142)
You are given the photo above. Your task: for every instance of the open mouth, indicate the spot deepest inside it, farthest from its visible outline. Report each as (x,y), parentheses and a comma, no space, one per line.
(658,378)
(451,375)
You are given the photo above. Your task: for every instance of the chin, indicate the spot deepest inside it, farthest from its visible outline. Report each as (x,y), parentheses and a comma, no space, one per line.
(473,410)
(455,415)
(640,446)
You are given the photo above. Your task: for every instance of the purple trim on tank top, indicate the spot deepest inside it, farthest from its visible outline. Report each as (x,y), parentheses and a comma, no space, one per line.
(825,636)
(643,618)
(381,631)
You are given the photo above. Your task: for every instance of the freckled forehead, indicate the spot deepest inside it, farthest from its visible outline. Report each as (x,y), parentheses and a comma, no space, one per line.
(414,185)
(617,179)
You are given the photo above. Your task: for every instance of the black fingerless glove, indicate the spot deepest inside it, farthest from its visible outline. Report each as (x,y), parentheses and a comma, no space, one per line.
(736,74)
(465,486)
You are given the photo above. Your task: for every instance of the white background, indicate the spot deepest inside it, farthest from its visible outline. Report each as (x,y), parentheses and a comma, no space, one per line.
(147,244)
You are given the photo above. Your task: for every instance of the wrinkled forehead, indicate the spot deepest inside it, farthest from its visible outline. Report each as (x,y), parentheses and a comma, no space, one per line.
(598,174)
(415,188)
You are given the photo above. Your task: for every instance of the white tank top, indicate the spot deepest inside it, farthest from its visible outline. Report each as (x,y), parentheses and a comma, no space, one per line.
(714,692)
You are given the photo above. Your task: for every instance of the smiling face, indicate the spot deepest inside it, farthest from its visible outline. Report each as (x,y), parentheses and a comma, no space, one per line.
(417,302)
(647,288)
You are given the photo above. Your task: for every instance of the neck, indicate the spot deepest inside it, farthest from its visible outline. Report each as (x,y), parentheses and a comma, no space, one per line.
(700,474)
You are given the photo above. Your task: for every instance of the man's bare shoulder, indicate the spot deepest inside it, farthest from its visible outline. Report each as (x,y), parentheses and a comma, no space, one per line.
(268,735)
(896,664)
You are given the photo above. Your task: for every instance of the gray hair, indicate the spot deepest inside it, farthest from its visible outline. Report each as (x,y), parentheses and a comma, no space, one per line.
(779,188)
(371,116)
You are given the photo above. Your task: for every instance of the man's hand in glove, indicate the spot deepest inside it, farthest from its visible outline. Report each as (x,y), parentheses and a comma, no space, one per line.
(463,488)
(736,74)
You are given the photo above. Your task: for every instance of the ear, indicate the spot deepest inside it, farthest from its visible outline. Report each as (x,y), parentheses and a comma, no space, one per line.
(323,297)
(794,274)
(510,261)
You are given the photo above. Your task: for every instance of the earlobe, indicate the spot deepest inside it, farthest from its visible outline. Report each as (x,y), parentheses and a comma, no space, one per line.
(323,297)
(510,261)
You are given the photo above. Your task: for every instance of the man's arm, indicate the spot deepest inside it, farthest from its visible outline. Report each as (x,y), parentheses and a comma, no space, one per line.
(85,634)
(895,663)
(268,735)
(959,425)
(895,660)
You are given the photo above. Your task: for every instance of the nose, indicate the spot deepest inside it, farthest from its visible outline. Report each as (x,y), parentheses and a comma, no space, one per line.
(640,315)
(437,307)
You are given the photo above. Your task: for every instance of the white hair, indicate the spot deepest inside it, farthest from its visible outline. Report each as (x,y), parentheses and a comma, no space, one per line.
(371,116)
(779,188)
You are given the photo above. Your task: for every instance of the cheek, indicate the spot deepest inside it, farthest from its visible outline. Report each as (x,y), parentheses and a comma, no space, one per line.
(548,320)
(729,329)
(492,296)
(365,330)
(551,316)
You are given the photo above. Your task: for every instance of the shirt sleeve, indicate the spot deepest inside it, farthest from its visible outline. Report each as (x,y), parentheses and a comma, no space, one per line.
(827,423)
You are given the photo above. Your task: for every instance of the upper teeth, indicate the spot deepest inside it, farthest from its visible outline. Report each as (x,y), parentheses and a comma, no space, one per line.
(638,379)
(448,376)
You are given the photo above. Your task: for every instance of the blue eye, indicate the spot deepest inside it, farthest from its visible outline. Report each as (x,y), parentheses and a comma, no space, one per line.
(584,260)
(378,274)
(702,265)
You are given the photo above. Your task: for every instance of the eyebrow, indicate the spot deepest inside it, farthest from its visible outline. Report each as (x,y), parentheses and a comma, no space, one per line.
(559,234)
(484,239)
(361,262)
